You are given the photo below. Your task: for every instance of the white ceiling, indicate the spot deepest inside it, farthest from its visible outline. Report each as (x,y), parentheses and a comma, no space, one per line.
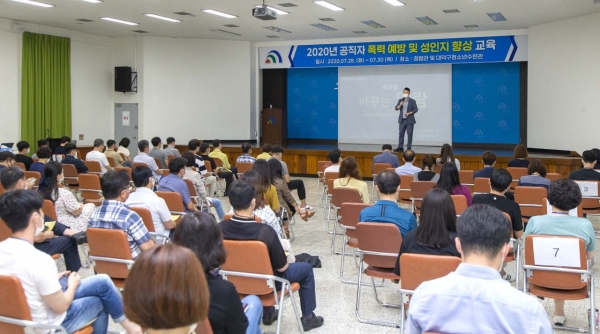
(520,14)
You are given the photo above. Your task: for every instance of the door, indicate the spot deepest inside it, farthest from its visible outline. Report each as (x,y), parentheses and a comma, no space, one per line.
(126,125)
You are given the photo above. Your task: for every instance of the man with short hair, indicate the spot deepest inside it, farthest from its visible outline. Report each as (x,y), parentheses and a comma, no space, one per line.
(170,149)
(40,143)
(386,157)
(113,214)
(111,152)
(266,152)
(97,155)
(386,210)
(246,154)
(22,157)
(228,176)
(71,150)
(194,147)
(277,153)
(408,168)
(144,197)
(158,153)
(489,160)
(406,120)
(53,298)
(242,226)
(587,173)
(143,157)
(64,140)
(335,156)
(217,153)
(174,183)
(447,304)
(6,159)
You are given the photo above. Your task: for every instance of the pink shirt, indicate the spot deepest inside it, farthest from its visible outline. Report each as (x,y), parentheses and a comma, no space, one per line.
(463,190)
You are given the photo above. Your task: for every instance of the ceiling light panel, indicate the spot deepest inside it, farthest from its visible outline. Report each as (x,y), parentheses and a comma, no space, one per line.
(93,1)
(185,14)
(216,12)
(451,11)
(278,11)
(373,24)
(324,27)
(162,18)
(497,16)
(287,4)
(395,3)
(471,26)
(426,20)
(224,32)
(35,3)
(360,32)
(329,5)
(275,29)
(84,20)
(119,21)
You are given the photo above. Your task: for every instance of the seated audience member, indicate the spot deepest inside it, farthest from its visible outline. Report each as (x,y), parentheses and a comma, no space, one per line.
(123,148)
(587,173)
(350,178)
(221,173)
(111,152)
(563,195)
(6,159)
(64,140)
(196,179)
(22,157)
(143,157)
(335,157)
(40,143)
(520,155)
(114,214)
(436,231)
(446,305)
(263,169)
(69,210)
(54,298)
(408,168)
(201,233)
(61,239)
(447,155)
(277,153)
(450,182)
(261,209)
(240,227)
(386,209)
(428,173)
(71,150)
(386,157)
(170,149)
(217,153)
(158,153)
(284,195)
(144,197)
(166,291)
(44,155)
(174,183)
(489,160)
(597,155)
(97,155)
(246,154)
(266,152)
(194,147)
(536,175)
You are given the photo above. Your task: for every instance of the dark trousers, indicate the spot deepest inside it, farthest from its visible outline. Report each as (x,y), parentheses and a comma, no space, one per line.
(302,273)
(408,128)
(228,176)
(298,185)
(61,245)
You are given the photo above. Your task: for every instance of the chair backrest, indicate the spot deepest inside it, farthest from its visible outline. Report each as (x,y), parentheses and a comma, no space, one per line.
(191,188)
(243,166)
(159,163)
(37,175)
(70,174)
(93,166)
(553,176)
(378,167)
(345,195)
(404,192)
(516,173)
(481,185)
(554,280)
(466,179)
(438,168)
(350,213)
(418,189)
(218,162)
(111,162)
(332,176)
(5,231)
(531,200)
(321,165)
(89,185)
(208,166)
(380,238)
(173,200)
(126,169)
(329,183)
(134,165)
(14,304)
(590,203)
(49,209)
(248,256)
(122,156)
(460,203)
(146,216)
(20,165)
(418,268)
(111,244)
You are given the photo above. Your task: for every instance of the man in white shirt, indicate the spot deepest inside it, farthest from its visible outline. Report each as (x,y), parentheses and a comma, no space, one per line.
(54,298)
(143,157)
(170,149)
(335,156)
(97,155)
(144,197)
(408,168)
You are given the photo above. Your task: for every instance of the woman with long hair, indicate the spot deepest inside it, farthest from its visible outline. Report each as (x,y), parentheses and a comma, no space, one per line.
(450,182)
(68,210)
(262,167)
(350,177)
(447,155)
(436,230)
(428,173)
(520,155)
(284,195)
(200,233)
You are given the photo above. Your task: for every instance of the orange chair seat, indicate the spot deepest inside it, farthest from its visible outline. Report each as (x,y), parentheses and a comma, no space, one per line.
(55,256)
(540,291)
(353,242)
(269,299)
(118,282)
(385,273)
(85,330)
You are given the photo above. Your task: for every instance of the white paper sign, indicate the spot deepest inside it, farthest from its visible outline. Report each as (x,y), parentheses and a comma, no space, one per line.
(588,189)
(556,252)
(125,118)
(572,212)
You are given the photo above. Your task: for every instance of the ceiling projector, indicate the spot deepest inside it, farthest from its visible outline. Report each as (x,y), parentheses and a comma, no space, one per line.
(264,13)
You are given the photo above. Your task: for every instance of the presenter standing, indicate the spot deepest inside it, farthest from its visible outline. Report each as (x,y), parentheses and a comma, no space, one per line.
(406,120)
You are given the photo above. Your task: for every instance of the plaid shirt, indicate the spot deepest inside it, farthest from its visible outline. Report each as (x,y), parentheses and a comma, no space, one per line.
(116,215)
(246,158)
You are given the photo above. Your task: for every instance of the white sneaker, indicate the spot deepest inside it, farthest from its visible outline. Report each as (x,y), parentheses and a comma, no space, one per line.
(559,320)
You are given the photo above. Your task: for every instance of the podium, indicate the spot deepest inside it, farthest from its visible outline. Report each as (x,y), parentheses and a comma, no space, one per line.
(272,126)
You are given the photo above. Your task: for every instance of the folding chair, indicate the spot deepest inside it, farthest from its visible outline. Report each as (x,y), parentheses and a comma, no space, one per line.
(590,190)
(516,173)
(339,196)
(110,253)
(111,162)
(70,176)
(20,165)
(350,213)
(321,165)
(378,246)
(15,316)
(127,170)
(466,179)
(37,176)
(89,185)
(159,163)
(377,167)
(553,176)
(220,180)
(248,267)
(460,204)
(123,156)
(170,157)
(327,187)
(93,167)
(174,203)
(404,192)
(135,165)
(438,168)
(514,253)
(200,202)
(146,216)
(531,201)
(418,189)
(243,167)
(418,268)
(577,212)
(481,185)
(557,267)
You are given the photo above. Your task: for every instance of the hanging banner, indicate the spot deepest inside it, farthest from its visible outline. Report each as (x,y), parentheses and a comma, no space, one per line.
(431,51)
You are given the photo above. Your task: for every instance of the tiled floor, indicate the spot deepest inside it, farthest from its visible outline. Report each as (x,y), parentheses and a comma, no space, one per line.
(336,301)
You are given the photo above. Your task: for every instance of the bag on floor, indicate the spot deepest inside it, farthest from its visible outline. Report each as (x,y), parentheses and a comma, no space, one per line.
(312,260)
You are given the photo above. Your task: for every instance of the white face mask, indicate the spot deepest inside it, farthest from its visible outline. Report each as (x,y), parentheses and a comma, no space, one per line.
(39,229)
(192,329)
(28,150)
(405,95)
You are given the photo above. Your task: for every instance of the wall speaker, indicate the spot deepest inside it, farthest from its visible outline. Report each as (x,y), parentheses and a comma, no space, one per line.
(123,79)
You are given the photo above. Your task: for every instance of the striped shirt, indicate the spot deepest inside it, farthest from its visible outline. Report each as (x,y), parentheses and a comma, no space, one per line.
(246,158)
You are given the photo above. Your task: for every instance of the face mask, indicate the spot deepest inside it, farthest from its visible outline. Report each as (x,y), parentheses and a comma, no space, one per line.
(28,150)
(39,230)
(192,329)
(405,95)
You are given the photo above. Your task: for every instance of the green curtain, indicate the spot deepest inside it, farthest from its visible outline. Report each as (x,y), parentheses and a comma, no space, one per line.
(45,87)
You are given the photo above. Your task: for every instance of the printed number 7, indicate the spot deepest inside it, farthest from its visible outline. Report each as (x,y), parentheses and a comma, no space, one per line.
(556,251)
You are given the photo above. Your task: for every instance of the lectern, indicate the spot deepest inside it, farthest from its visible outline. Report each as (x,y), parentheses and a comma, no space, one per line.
(272,126)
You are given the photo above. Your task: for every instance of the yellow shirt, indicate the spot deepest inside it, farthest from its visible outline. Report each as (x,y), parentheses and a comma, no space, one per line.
(221,156)
(359,185)
(272,199)
(264,156)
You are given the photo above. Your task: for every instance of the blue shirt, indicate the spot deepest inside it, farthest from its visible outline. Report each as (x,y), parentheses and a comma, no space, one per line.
(246,158)
(407,169)
(486,172)
(386,158)
(474,299)
(563,225)
(534,181)
(174,183)
(389,212)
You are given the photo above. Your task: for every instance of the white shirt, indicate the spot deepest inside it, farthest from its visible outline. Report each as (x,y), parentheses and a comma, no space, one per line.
(146,198)
(38,275)
(148,160)
(407,169)
(100,157)
(123,150)
(332,169)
